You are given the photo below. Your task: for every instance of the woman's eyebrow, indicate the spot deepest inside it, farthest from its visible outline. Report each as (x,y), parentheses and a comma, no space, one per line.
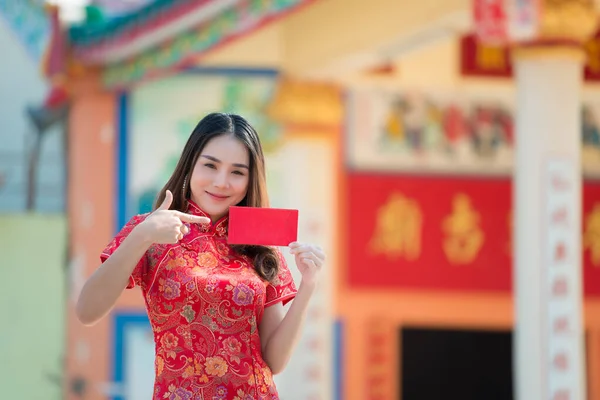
(218,161)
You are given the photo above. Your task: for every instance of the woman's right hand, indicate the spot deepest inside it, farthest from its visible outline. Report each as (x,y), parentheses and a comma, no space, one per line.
(166,226)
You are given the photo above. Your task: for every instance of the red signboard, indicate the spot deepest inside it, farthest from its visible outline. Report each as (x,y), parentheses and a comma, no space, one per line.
(477,59)
(490,60)
(440,233)
(590,241)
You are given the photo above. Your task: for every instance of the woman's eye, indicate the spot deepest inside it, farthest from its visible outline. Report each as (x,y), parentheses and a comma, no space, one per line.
(209,165)
(238,173)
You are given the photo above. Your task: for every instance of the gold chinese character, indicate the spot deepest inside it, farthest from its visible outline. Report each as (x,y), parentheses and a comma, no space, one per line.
(592,49)
(464,238)
(591,236)
(398,228)
(491,57)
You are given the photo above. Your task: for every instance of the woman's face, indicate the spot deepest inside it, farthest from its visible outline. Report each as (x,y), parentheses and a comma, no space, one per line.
(221,175)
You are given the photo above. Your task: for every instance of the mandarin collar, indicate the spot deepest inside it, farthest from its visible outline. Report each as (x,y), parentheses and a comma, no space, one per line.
(219,227)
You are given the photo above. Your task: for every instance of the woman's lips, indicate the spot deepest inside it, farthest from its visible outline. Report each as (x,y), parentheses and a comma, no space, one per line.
(217,196)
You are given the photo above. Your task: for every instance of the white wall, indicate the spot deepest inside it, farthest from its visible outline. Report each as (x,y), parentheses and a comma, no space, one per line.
(21,84)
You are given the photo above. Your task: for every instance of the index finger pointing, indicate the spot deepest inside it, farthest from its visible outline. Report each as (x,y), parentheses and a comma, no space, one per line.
(196,219)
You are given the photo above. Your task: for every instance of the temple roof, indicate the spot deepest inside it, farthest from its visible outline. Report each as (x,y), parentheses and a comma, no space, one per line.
(161,35)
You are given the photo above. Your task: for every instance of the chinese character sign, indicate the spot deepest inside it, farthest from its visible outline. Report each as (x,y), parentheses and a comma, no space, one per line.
(506,21)
(434,233)
(590,240)
(489,17)
(561,277)
(523,17)
(447,233)
(492,58)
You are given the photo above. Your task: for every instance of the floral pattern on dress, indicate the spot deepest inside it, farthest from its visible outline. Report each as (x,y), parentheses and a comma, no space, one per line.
(205,303)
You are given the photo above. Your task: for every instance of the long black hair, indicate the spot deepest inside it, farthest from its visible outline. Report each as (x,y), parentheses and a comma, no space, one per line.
(265,259)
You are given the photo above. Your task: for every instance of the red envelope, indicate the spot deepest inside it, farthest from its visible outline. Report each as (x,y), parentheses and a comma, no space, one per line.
(262,226)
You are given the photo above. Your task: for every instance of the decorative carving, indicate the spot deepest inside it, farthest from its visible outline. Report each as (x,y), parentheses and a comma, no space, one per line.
(306,103)
(571,20)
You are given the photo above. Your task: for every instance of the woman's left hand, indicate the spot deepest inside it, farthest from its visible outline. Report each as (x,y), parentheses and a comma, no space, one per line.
(309,260)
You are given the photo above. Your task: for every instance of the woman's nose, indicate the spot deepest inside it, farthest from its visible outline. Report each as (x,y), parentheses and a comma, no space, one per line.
(221,180)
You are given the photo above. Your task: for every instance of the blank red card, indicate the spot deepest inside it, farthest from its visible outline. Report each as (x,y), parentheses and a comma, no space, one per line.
(262,226)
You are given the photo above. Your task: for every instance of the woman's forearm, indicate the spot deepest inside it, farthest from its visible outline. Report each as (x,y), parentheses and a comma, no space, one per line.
(282,342)
(103,288)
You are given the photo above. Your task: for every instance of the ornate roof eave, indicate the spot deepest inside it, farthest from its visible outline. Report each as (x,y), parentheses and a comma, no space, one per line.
(168,37)
(133,34)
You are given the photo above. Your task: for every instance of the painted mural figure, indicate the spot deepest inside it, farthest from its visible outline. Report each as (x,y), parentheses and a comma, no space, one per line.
(216,309)
(394,124)
(464,237)
(405,125)
(488,133)
(420,127)
(434,136)
(455,127)
(398,229)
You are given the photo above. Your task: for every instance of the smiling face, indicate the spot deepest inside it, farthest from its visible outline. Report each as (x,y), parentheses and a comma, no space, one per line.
(220,176)
(221,165)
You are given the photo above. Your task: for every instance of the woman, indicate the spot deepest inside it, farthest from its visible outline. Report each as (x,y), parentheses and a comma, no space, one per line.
(216,310)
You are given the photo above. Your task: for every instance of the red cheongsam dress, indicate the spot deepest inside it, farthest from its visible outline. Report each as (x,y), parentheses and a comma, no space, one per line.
(205,304)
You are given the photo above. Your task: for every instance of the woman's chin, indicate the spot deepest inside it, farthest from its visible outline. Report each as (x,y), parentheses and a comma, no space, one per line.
(216,213)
